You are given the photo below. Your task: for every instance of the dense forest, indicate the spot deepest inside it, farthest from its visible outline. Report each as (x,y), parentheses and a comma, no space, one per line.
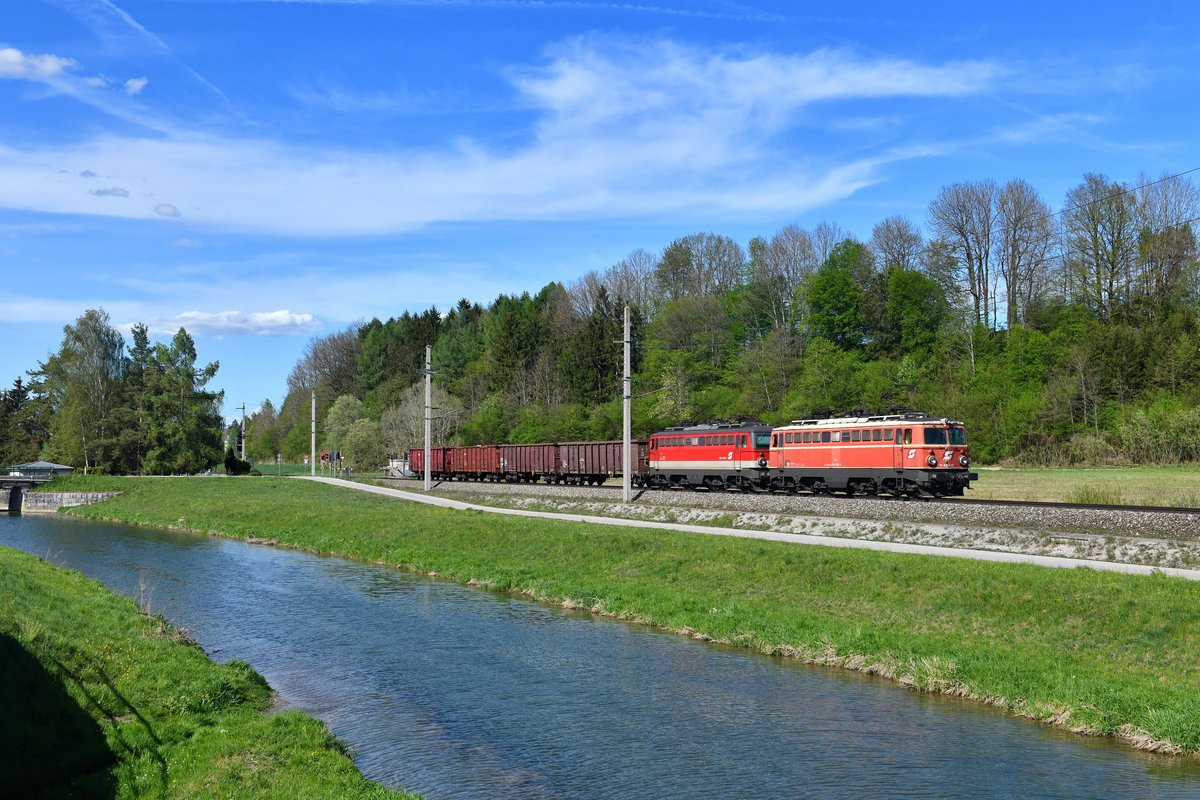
(1068,336)
(103,407)
(1059,337)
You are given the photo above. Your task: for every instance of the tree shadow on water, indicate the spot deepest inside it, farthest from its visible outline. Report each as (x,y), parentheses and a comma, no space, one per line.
(49,746)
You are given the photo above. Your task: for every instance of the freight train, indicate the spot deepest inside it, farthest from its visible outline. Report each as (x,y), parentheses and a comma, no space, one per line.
(905,454)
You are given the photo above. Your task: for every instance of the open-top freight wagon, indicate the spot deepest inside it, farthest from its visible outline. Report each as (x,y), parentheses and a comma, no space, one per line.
(582,463)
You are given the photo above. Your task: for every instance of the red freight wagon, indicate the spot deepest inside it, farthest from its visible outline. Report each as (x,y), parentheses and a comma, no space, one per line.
(595,462)
(481,461)
(437,462)
(528,462)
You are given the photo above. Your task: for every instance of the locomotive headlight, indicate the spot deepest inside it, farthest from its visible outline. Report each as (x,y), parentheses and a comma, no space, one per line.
(964,460)
(932,460)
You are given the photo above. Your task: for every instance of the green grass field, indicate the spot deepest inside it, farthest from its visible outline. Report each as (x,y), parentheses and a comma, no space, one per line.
(1107,653)
(101,700)
(1146,486)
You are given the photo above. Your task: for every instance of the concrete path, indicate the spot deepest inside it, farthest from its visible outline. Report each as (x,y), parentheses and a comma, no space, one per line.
(795,538)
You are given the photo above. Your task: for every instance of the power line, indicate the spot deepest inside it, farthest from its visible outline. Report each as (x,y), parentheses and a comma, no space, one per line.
(1123,191)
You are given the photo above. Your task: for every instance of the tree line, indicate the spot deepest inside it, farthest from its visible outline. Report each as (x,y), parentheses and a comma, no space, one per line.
(1058,336)
(101,406)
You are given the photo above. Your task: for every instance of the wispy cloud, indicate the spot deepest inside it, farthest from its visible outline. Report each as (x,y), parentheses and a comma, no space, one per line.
(115,191)
(239,323)
(15,64)
(622,129)
(135,86)
(119,30)
(716,11)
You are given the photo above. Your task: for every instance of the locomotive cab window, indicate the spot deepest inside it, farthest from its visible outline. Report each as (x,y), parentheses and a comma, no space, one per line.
(908,435)
(958,436)
(935,436)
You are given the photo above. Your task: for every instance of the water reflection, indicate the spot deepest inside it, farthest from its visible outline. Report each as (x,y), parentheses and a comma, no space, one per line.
(459,693)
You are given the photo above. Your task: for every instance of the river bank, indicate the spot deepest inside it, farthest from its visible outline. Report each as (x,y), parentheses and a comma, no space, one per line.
(1105,654)
(146,713)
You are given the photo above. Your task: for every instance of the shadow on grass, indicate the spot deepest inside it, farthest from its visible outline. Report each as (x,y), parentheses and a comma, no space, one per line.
(49,746)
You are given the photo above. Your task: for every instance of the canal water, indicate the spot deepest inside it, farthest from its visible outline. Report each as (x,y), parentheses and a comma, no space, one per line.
(456,692)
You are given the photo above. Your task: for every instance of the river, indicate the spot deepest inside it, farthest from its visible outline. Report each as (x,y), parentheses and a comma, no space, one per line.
(456,692)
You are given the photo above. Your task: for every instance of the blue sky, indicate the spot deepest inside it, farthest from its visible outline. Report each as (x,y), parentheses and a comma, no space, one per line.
(263,172)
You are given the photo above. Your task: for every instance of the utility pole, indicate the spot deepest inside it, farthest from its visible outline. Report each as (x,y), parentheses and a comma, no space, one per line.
(428,408)
(312,456)
(627,455)
(243,431)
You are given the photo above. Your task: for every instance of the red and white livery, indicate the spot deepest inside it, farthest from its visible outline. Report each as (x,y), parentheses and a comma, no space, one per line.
(908,454)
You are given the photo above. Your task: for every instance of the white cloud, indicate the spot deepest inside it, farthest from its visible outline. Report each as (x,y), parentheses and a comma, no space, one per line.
(15,64)
(622,130)
(253,323)
(188,243)
(115,191)
(134,86)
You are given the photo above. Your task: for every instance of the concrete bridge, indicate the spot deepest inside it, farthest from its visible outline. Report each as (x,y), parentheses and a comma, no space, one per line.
(13,489)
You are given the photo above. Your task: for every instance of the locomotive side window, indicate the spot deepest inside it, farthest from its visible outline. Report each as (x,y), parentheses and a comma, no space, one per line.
(825,437)
(907,435)
(888,434)
(876,435)
(854,436)
(837,436)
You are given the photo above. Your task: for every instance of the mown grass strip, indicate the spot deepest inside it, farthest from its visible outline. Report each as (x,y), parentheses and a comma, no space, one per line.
(1102,653)
(100,700)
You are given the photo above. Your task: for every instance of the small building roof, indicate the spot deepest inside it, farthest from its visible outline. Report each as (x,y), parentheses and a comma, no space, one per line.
(44,465)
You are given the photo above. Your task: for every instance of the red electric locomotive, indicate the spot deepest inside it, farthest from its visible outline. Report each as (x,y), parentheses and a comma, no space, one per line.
(911,453)
(720,456)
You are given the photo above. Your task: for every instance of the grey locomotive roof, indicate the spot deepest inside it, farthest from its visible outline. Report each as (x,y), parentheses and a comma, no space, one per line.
(917,416)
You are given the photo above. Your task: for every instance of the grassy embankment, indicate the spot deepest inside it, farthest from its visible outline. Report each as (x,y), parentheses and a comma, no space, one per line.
(1143,486)
(1098,652)
(101,700)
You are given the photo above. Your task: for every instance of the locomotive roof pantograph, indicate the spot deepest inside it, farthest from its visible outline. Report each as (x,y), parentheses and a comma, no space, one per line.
(907,416)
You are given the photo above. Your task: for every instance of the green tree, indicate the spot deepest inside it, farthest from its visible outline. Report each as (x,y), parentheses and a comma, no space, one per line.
(185,428)
(833,298)
(84,381)
(363,446)
(345,411)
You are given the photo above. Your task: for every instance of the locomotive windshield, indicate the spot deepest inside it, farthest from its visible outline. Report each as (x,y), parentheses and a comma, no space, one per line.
(958,436)
(935,436)
(762,439)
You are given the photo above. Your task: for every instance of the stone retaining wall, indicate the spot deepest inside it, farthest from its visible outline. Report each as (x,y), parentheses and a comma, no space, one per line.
(51,502)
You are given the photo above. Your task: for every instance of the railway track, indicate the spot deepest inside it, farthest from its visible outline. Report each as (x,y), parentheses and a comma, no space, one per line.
(949,501)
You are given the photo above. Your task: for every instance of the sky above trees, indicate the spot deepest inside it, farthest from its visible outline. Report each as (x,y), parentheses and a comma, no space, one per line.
(265,172)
